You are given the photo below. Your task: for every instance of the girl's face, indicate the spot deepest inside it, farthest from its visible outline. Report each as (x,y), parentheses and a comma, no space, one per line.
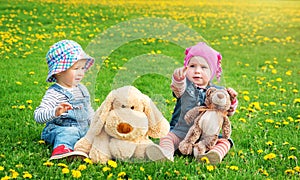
(198,71)
(73,75)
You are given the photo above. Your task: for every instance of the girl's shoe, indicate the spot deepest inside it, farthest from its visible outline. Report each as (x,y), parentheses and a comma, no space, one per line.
(156,153)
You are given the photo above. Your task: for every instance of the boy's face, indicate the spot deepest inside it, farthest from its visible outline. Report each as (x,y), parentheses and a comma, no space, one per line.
(198,71)
(73,75)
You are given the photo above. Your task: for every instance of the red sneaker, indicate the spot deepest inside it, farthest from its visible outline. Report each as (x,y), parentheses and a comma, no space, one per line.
(61,152)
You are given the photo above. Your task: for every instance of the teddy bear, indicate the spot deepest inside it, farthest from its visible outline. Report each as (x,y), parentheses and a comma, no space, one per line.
(208,121)
(122,127)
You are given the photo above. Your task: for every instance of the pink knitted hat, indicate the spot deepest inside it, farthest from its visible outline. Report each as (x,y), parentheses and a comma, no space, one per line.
(212,57)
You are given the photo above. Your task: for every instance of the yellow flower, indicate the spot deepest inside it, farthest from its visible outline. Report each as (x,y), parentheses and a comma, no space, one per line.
(272,103)
(89,161)
(82,167)
(31,73)
(105,168)
(112,163)
(297,168)
(26,174)
(62,165)
(235,168)
(260,151)
(292,148)
(5,178)
(48,163)
(142,169)
(292,157)
(29,101)
(19,83)
(246,98)
(42,142)
(285,143)
(65,170)
(122,174)
(14,173)
(210,167)
(109,176)
(269,156)
(1,168)
(76,173)
(205,159)
(270,143)
(297,100)
(19,165)
(289,171)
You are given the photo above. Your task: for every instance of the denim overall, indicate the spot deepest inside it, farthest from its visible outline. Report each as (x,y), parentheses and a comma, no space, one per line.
(68,128)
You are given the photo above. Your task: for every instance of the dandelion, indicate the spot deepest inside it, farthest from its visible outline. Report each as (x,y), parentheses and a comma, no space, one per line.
(62,165)
(42,142)
(87,160)
(142,169)
(295,91)
(82,167)
(149,177)
(26,174)
(289,171)
(97,100)
(272,103)
(242,120)
(246,98)
(19,165)
(270,143)
(112,163)
(109,176)
(205,159)
(210,167)
(260,151)
(65,170)
(48,163)
(31,73)
(235,168)
(29,101)
(14,173)
(285,143)
(292,157)
(269,121)
(21,107)
(76,173)
(5,178)
(269,156)
(297,168)
(19,83)
(297,100)
(105,168)
(292,148)
(122,174)
(1,168)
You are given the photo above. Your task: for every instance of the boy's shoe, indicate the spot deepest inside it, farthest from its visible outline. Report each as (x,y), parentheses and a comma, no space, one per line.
(156,153)
(62,151)
(212,156)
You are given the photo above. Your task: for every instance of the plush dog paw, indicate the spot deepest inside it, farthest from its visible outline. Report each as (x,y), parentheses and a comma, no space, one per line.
(99,157)
(185,148)
(83,145)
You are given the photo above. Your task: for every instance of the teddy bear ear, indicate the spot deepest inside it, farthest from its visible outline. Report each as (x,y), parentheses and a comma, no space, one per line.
(210,90)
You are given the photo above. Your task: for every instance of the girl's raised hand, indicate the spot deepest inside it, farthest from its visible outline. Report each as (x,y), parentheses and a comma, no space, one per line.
(180,73)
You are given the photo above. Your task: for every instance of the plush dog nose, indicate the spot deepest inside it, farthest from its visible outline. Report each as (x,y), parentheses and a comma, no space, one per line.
(220,96)
(124,128)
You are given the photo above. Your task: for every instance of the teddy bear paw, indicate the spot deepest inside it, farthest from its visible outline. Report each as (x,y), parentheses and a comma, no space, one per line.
(185,148)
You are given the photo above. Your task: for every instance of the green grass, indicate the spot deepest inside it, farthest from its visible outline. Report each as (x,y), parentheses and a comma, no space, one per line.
(259,42)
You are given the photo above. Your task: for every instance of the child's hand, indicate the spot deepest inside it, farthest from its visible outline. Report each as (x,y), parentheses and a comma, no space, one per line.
(180,73)
(63,107)
(232,93)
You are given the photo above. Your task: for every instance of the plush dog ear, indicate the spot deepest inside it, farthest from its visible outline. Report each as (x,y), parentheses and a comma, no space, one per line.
(100,116)
(158,125)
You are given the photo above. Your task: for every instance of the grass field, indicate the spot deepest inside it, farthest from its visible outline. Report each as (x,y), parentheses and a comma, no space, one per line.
(140,43)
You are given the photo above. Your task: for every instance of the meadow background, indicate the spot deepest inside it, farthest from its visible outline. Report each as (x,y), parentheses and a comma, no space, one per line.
(259,42)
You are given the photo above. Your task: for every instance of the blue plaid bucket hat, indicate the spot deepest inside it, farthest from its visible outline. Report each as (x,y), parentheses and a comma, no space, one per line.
(62,55)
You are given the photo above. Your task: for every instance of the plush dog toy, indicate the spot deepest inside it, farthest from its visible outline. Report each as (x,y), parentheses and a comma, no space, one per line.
(208,121)
(122,126)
